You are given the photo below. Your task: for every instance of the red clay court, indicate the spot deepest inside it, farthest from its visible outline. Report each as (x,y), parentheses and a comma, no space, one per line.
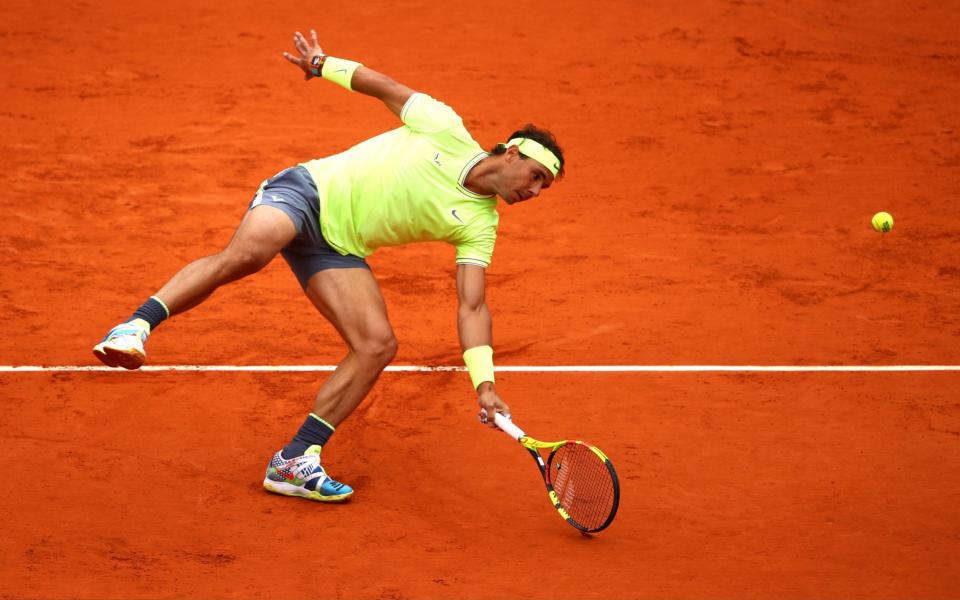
(724,160)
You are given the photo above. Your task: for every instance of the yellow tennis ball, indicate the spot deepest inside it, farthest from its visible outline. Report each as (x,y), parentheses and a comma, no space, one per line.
(882,222)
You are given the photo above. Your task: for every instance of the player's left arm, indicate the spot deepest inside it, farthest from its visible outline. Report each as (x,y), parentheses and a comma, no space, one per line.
(475,326)
(363,80)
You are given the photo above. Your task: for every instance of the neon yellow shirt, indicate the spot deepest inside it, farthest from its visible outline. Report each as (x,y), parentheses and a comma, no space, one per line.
(406,185)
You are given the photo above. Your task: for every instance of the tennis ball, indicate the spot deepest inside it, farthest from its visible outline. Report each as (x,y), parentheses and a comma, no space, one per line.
(882,222)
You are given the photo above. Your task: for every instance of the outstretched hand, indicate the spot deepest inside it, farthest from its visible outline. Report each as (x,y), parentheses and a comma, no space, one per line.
(305,52)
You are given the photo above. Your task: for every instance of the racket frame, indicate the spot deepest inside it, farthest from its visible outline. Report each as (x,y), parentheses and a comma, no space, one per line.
(533,446)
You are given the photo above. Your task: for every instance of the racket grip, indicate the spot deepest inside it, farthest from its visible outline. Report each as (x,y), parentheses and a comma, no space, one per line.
(508,427)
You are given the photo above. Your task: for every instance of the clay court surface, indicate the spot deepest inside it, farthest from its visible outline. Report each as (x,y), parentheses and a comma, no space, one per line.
(724,160)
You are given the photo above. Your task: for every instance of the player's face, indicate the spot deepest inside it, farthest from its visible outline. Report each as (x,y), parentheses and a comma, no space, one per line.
(524,179)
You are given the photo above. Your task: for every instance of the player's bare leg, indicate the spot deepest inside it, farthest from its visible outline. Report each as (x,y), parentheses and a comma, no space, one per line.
(262,233)
(351,300)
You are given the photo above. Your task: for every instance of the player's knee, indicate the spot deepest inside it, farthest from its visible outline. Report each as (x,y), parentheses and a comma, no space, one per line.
(378,350)
(240,262)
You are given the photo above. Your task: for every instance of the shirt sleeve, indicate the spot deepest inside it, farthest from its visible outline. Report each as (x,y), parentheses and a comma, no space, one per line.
(423,114)
(478,249)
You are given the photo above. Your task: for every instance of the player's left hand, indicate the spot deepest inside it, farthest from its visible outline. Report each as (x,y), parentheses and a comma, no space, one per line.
(490,404)
(305,52)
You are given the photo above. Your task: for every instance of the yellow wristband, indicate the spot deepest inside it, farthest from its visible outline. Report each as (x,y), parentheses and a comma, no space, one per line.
(479,360)
(339,71)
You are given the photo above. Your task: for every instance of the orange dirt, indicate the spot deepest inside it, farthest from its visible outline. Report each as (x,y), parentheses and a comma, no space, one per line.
(724,161)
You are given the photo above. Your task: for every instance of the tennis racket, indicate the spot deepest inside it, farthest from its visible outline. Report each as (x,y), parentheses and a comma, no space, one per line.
(581,481)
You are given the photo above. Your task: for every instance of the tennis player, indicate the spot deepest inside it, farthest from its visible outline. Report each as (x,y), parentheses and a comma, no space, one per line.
(427,180)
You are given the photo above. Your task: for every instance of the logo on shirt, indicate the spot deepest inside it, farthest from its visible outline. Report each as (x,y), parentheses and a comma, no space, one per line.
(436,159)
(454,213)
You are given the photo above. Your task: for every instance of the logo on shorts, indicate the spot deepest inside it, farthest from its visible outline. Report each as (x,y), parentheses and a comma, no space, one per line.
(454,213)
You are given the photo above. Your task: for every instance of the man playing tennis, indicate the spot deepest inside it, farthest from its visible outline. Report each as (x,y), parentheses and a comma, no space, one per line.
(427,180)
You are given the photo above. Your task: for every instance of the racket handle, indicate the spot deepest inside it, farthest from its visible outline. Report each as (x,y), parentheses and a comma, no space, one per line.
(508,427)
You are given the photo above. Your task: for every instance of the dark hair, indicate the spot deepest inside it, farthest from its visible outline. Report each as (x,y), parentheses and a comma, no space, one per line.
(544,137)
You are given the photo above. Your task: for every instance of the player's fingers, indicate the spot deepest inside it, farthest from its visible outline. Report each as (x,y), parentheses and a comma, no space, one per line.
(295,60)
(487,413)
(313,38)
(300,43)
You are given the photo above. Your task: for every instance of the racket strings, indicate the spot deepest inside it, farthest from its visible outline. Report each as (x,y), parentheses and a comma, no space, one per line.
(583,484)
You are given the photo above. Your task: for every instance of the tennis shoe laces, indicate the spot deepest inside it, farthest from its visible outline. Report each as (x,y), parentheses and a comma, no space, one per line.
(304,476)
(123,346)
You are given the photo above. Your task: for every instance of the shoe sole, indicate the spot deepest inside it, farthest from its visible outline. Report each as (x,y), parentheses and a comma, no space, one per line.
(286,489)
(112,357)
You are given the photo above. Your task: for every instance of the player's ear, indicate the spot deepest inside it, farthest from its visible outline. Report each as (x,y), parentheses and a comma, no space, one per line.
(512,154)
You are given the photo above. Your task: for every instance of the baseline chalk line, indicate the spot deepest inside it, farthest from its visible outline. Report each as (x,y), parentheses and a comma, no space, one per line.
(500,369)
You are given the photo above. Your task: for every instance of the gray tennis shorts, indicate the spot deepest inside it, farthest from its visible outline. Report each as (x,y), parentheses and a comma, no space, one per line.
(294,192)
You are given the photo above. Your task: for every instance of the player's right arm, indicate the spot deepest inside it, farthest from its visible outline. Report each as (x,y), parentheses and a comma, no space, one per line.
(365,80)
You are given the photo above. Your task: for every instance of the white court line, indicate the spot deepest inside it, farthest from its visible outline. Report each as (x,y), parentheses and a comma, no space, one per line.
(504,368)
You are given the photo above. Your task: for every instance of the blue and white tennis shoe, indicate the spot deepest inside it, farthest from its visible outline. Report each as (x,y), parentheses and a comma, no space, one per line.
(304,476)
(123,345)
